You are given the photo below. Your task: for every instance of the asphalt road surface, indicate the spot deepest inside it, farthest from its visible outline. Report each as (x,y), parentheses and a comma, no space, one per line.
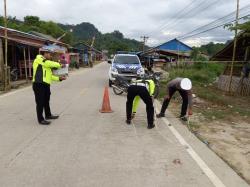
(86,148)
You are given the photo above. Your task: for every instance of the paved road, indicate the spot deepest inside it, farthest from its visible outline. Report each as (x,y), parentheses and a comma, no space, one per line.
(86,148)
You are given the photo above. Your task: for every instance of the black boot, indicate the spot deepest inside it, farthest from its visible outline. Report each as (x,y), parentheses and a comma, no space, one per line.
(151,126)
(160,115)
(52,117)
(128,121)
(183,118)
(44,122)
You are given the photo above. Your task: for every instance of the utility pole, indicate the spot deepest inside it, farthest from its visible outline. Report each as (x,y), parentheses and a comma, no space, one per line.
(6,47)
(91,51)
(2,63)
(144,38)
(235,46)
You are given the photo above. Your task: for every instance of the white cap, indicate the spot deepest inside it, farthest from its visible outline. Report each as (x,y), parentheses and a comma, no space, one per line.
(186,84)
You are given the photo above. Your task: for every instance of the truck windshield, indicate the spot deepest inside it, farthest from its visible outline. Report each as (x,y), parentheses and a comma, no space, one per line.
(126,60)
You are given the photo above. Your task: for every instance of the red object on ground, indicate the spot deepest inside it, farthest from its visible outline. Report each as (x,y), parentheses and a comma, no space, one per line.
(106,108)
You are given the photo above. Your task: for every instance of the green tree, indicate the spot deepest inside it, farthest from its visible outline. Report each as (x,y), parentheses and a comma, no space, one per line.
(51,29)
(32,21)
(244,27)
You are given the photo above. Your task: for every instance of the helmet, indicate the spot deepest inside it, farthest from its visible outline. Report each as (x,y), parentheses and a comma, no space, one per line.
(186,84)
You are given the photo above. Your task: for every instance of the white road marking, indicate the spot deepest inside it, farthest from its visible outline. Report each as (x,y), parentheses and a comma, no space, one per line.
(204,167)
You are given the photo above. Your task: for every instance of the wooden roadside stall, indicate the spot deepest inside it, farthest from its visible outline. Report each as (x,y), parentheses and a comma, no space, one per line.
(240,83)
(171,53)
(22,50)
(88,53)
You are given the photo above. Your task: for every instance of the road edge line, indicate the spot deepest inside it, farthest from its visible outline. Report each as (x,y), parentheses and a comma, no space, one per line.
(204,167)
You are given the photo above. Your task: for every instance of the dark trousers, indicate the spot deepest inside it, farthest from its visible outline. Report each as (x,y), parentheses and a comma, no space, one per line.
(144,95)
(184,95)
(42,97)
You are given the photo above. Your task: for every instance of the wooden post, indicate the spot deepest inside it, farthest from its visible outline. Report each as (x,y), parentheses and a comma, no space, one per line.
(6,46)
(29,62)
(25,65)
(235,45)
(91,51)
(247,53)
(2,64)
(241,83)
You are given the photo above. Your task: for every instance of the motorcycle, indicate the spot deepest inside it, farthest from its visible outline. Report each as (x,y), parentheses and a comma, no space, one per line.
(120,85)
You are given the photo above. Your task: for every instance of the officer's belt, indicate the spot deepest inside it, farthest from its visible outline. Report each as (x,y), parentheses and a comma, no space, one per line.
(139,84)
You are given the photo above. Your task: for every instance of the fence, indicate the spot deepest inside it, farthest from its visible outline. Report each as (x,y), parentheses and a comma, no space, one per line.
(239,85)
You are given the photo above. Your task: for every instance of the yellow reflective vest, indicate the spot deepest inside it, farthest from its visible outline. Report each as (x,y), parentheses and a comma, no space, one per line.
(42,70)
(151,90)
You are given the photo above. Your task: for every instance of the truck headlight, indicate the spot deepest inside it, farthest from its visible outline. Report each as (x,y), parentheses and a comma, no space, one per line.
(141,71)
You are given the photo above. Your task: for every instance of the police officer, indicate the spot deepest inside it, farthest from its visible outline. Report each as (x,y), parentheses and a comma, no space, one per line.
(143,89)
(183,86)
(42,78)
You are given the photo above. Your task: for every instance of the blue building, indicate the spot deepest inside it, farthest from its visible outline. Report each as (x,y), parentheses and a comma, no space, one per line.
(171,51)
(174,45)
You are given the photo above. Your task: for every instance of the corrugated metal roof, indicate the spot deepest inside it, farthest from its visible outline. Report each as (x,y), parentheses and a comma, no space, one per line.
(21,37)
(23,33)
(174,45)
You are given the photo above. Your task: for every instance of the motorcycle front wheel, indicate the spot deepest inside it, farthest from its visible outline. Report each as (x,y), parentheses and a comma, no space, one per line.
(117,91)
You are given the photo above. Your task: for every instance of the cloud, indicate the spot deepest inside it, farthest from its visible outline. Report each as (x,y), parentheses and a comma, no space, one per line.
(134,18)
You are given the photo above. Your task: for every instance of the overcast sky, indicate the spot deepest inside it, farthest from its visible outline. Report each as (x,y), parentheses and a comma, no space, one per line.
(161,20)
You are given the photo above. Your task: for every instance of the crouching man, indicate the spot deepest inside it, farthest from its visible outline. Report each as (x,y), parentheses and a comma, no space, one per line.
(183,86)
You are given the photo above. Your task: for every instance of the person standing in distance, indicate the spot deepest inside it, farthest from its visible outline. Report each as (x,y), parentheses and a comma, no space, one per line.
(183,86)
(42,78)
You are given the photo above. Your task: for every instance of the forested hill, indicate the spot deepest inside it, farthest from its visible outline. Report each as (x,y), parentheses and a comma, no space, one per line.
(113,42)
(83,32)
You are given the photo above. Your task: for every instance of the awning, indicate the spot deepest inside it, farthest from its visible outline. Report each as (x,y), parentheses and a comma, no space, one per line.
(55,48)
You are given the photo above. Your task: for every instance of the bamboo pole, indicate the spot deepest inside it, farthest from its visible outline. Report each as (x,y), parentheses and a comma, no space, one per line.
(29,62)
(235,45)
(6,45)
(25,65)
(2,64)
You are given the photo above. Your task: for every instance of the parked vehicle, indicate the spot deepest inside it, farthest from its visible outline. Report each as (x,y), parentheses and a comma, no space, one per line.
(125,65)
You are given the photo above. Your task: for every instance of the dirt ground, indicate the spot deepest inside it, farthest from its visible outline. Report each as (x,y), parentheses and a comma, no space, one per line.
(227,133)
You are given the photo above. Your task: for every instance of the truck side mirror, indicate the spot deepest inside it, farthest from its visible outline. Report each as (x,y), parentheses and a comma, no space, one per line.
(109,61)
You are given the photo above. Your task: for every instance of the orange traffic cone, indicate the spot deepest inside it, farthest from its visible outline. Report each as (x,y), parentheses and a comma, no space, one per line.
(106,103)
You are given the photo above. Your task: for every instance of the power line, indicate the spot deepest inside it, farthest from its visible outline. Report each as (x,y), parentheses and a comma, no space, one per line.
(200,6)
(192,13)
(218,21)
(176,15)
(214,27)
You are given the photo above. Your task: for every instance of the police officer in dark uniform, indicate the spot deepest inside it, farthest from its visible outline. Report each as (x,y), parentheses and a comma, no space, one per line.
(143,89)
(42,78)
